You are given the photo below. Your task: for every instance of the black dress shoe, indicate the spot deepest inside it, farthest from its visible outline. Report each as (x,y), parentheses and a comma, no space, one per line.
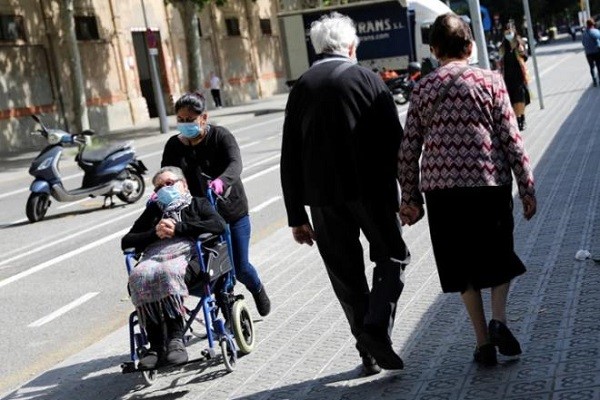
(381,349)
(486,355)
(502,337)
(369,365)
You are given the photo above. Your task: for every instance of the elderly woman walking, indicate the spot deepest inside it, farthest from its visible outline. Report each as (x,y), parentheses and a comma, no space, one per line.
(461,119)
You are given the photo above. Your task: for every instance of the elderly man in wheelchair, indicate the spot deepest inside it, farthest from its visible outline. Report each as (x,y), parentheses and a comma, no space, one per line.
(165,234)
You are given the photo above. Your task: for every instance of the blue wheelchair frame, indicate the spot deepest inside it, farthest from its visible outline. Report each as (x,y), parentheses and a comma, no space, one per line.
(216,294)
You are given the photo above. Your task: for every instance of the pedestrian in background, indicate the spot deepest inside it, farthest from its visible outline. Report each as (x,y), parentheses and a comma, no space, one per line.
(341,136)
(215,89)
(461,120)
(591,43)
(513,56)
(203,150)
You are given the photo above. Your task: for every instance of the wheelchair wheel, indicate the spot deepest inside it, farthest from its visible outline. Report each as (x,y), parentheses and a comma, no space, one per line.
(229,353)
(150,376)
(242,326)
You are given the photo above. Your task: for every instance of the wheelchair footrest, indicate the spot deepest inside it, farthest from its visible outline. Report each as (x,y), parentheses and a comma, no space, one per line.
(128,367)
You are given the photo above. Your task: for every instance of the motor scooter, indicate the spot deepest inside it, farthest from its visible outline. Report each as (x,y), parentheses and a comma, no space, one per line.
(108,171)
(402,86)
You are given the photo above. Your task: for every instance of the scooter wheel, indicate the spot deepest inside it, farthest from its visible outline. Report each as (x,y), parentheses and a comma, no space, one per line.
(138,186)
(37,205)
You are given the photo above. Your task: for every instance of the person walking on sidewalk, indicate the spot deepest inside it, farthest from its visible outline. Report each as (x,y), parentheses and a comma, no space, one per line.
(341,137)
(215,89)
(159,282)
(591,43)
(200,150)
(512,65)
(461,119)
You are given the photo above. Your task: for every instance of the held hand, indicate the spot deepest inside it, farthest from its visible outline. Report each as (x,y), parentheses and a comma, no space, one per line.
(303,234)
(529,207)
(217,186)
(165,228)
(410,214)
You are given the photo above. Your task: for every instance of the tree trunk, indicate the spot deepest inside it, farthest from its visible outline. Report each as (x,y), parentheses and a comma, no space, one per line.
(79,106)
(189,17)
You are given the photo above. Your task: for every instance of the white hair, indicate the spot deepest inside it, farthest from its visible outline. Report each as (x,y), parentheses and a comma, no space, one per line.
(333,33)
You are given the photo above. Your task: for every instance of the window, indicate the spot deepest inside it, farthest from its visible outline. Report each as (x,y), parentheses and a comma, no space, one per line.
(265,26)
(425,30)
(199,28)
(11,28)
(233,27)
(86,28)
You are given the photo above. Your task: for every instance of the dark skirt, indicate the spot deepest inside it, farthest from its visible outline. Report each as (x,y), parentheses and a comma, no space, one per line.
(472,236)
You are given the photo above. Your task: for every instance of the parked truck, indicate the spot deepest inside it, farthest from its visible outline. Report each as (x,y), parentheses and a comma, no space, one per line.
(391,33)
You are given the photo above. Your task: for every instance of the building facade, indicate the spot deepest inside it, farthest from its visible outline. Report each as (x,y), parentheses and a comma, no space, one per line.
(240,42)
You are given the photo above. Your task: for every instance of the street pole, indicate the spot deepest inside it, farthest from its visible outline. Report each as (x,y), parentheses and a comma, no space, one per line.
(587,7)
(482,54)
(152,52)
(531,40)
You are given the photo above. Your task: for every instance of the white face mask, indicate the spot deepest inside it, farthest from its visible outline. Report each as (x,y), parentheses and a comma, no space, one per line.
(509,36)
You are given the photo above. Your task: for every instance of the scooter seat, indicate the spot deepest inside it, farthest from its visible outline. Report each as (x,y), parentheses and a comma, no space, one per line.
(97,155)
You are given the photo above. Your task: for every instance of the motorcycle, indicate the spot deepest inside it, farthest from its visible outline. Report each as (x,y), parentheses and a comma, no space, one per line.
(108,172)
(402,86)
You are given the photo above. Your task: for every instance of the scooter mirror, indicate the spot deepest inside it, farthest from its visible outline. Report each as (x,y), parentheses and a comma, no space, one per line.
(36,118)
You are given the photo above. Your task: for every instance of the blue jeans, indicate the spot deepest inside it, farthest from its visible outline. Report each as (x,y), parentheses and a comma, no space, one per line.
(240,243)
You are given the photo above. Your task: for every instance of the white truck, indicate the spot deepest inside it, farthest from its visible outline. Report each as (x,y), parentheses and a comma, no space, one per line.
(392,33)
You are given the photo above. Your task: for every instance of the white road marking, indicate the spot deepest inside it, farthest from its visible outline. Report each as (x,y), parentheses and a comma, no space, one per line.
(69,237)
(63,257)
(263,161)
(62,310)
(261,173)
(265,204)
(91,245)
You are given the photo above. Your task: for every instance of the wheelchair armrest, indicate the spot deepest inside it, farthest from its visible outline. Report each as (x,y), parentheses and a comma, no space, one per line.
(206,237)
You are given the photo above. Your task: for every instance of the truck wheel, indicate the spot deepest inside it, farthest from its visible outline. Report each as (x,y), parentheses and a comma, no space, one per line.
(37,205)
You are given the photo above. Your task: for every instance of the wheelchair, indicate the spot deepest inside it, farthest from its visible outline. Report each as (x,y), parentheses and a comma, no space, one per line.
(225,315)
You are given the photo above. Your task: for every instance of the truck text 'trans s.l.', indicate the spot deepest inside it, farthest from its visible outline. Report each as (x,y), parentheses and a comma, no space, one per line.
(391,33)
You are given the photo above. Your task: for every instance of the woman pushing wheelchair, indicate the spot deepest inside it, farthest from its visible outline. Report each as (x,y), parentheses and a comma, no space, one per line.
(165,233)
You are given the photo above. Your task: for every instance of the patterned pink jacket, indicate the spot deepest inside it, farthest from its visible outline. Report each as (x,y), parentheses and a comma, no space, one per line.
(472,140)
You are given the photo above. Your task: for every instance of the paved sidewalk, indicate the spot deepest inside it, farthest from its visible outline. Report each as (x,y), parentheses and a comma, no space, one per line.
(305,350)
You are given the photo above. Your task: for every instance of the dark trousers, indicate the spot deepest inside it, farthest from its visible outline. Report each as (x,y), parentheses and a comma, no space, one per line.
(337,230)
(594,60)
(216,95)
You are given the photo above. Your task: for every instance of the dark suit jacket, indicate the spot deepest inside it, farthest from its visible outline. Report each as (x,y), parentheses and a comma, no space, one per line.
(341,138)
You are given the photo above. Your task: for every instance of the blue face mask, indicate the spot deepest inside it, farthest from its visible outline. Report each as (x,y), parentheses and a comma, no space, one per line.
(167,195)
(189,130)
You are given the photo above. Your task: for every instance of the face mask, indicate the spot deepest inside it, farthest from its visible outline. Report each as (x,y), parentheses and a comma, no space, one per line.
(167,195)
(189,130)
(509,36)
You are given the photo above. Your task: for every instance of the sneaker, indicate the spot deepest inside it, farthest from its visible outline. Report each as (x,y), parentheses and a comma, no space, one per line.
(369,365)
(263,304)
(176,352)
(486,355)
(502,337)
(381,349)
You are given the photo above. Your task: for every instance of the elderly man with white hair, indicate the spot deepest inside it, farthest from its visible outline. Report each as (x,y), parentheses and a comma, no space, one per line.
(341,138)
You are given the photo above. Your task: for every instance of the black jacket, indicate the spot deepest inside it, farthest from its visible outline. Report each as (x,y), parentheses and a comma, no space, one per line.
(217,156)
(197,218)
(341,138)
